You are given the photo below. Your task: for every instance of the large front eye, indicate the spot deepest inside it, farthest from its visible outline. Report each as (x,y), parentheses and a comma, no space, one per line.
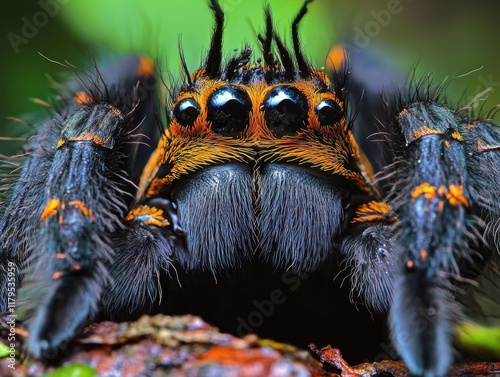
(285,110)
(329,112)
(186,111)
(229,110)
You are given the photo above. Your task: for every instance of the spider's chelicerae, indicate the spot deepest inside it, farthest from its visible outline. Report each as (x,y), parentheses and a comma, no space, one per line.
(256,162)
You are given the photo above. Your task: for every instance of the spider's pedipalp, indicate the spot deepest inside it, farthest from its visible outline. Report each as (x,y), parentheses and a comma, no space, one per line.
(372,254)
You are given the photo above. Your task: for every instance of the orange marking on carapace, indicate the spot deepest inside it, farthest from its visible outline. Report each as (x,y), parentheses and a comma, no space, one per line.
(89,136)
(423,131)
(456,196)
(198,74)
(425,189)
(148,215)
(51,208)
(77,267)
(60,255)
(374,211)
(78,204)
(424,254)
(369,219)
(330,149)
(456,135)
(57,275)
(409,264)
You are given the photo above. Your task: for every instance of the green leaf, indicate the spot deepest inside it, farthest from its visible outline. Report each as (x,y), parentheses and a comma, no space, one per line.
(4,350)
(479,339)
(74,370)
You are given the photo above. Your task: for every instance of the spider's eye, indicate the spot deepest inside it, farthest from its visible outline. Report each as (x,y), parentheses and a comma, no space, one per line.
(229,110)
(285,110)
(186,112)
(329,112)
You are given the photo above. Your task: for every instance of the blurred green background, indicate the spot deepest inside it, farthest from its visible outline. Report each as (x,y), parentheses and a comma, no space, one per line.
(448,38)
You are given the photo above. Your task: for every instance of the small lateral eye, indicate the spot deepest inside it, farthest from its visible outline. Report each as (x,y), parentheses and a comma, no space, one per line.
(186,111)
(329,112)
(285,110)
(229,110)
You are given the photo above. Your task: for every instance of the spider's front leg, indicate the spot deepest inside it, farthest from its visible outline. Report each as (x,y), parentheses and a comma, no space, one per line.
(72,197)
(435,193)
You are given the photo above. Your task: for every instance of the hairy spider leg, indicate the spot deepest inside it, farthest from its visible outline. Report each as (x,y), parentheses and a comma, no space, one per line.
(432,197)
(482,142)
(73,192)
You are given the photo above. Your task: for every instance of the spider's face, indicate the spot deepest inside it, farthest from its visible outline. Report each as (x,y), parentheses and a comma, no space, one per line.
(245,159)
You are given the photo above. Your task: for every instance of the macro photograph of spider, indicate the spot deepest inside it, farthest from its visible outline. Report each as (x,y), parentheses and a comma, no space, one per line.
(345,203)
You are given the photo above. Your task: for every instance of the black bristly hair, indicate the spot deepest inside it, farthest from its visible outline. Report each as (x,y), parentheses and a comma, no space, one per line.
(184,64)
(237,62)
(286,59)
(267,39)
(301,61)
(291,66)
(214,58)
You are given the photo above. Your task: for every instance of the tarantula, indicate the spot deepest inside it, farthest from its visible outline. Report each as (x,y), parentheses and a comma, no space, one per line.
(256,160)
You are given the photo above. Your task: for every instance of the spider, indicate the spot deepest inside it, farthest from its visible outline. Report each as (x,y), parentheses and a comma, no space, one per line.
(256,160)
